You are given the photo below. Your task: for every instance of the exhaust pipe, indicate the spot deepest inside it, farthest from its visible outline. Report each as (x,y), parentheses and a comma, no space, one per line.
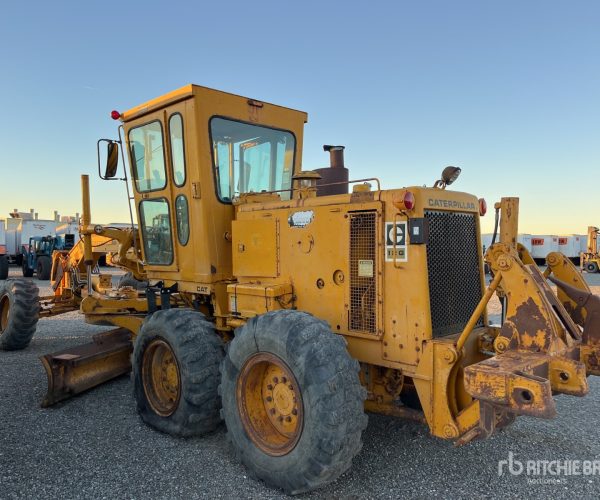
(336,175)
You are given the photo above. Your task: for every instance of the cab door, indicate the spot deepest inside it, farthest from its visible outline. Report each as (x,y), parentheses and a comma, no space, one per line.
(152,182)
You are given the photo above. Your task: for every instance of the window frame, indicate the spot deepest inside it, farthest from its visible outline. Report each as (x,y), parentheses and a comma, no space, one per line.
(134,163)
(143,231)
(181,195)
(171,116)
(212,153)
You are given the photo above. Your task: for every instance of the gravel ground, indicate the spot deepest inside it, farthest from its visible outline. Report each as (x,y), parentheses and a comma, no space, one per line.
(95,446)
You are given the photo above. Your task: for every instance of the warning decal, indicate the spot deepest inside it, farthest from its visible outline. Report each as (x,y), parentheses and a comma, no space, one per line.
(395,233)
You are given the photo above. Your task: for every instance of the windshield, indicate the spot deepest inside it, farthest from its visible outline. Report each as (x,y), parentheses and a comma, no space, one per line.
(251,159)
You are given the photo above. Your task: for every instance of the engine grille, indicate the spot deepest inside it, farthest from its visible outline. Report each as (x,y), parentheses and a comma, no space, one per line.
(453,269)
(363,272)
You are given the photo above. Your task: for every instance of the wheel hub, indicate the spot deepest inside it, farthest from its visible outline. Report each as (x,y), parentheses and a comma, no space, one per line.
(270,404)
(4,313)
(160,376)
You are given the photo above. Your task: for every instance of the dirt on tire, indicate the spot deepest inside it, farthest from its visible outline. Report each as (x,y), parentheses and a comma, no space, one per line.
(198,351)
(19,313)
(331,393)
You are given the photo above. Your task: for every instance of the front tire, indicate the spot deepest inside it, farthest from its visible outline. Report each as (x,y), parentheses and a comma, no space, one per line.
(27,271)
(43,268)
(19,313)
(292,401)
(176,358)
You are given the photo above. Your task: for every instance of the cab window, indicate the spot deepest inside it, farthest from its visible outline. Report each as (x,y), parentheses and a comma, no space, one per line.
(156,231)
(250,159)
(147,157)
(183,220)
(177,149)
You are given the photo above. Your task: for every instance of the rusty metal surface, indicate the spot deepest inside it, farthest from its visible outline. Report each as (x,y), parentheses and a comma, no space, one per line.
(561,268)
(540,349)
(589,304)
(332,181)
(80,368)
(523,382)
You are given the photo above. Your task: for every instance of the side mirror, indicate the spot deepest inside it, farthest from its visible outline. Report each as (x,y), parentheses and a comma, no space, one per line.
(112,159)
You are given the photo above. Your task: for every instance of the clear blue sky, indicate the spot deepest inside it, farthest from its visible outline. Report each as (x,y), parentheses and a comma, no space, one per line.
(507,90)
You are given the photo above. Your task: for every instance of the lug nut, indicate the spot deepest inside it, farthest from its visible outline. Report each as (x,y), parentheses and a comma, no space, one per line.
(276,380)
(270,387)
(294,412)
(269,399)
(272,411)
(288,419)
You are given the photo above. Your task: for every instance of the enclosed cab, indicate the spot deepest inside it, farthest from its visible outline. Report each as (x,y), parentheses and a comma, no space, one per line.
(192,153)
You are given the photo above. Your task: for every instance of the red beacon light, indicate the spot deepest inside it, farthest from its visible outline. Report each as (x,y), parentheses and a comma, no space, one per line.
(404,201)
(115,115)
(482,207)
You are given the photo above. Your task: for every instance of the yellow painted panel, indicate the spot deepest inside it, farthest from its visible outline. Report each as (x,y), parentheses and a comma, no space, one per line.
(255,248)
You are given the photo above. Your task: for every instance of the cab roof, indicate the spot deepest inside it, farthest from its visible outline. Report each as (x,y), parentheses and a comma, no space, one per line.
(183,93)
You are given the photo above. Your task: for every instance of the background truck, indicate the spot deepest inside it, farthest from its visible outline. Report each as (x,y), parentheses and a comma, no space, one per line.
(289,302)
(37,254)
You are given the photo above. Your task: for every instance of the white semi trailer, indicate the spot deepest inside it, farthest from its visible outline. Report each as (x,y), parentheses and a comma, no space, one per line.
(570,245)
(22,226)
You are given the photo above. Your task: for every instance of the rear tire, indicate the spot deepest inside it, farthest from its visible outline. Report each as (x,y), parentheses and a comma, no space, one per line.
(591,267)
(3,267)
(19,313)
(43,268)
(297,433)
(176,358)
(27,272)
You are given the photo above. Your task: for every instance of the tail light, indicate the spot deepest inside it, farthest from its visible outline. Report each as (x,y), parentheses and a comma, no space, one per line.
(404,201)
(482,207)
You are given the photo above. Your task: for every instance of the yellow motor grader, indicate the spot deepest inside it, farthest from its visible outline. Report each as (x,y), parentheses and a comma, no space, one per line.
(289,302)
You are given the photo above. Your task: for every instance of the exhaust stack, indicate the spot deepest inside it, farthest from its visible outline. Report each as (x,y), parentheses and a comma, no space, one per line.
(336,175)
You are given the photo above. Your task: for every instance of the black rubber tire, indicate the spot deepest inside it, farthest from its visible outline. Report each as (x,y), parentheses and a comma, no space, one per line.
(3,267)
(43,268)
(24,308)
(591,267)
(332,396)
(199,353)
(27,272)
(128,280)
